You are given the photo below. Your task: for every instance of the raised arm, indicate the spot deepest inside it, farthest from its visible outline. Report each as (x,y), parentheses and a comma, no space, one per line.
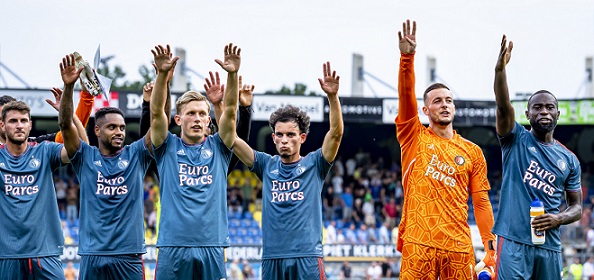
(505,111)
(407,100)
(227,123)
(244,121)
(145,111)
(214,93)
(164,63)
(71,137)
(80,127)
(333,137)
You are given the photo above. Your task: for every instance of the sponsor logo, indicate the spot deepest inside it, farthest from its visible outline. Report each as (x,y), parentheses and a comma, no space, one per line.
(181,153)
(98,163)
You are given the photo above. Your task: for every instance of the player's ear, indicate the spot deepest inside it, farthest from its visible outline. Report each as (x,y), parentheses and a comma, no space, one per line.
(177,119)
(425,110)
(97,131)
(303,136)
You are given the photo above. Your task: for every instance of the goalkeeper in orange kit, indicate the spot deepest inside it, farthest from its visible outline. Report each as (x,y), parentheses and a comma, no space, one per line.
(440,171)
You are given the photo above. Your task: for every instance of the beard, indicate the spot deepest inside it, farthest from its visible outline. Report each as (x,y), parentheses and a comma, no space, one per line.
(543,128)
(10,137)
(108,143)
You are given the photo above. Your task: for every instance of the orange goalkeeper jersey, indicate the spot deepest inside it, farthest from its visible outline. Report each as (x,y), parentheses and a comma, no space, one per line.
(438,176)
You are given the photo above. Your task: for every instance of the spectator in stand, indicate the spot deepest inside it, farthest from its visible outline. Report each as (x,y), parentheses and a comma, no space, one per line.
(337,182)
(70,273)
(235,272)
(351,165)
(235,202)
(248,271)
(345,271)
(588,269)
(386,269)
(338,166)
(340,239)
(586,216)
(368,212)
(72,203)
(331,236)
(358,215)
(328,202)
(384,234)
(362,235)
(389,212)
(346,201)
(374,272)
(61,191)
(371,236)
(590,241)
(575,269)
(351,237)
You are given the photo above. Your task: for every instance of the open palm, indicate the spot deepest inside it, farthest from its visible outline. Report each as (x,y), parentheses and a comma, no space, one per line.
(330,82)
(232,59)
(68,70)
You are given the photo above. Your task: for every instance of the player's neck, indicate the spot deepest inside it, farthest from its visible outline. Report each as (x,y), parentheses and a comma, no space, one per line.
(192,140)
(105,151)
(291,159)
(543,137)
(446,132)
(16,149)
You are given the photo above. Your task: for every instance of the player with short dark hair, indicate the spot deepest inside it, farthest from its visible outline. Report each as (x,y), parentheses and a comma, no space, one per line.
(440,171)
(535,166)
(30,229)
(292,188)
(111,189)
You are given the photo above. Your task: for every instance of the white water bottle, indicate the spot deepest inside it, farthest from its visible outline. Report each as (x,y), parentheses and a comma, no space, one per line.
(483,272)
(537,209)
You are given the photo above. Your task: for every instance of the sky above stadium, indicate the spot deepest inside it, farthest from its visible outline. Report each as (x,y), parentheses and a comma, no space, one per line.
(286,42)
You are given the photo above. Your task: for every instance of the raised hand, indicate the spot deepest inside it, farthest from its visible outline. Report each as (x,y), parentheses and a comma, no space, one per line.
(57,96)
(504,54)
(407,37)
(164,60)
(147,89)
(68,70)
(214,89)
(232,59)
(330,82)
(245,93)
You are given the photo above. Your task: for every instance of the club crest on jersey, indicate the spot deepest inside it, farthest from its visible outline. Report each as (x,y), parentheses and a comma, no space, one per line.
(300,169)
(562,164)
(459,160)
(34,163)
(122,163)
(206,153)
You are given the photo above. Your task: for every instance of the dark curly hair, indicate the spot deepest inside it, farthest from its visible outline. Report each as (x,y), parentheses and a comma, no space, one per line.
(290,113)
(5,99)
